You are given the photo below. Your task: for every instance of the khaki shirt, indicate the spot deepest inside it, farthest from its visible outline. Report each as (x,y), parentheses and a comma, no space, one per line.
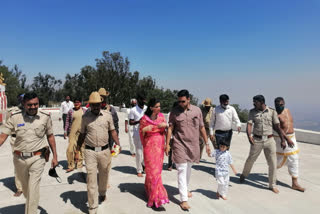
(31,132)
(186,129)
(96,128)
(263,121)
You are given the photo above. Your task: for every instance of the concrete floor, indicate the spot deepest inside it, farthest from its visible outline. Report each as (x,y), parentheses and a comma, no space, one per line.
(126,194)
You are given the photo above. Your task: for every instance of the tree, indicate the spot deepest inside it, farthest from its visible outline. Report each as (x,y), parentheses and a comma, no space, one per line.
(15,83)
(46,87)
(112,72)
(242,113)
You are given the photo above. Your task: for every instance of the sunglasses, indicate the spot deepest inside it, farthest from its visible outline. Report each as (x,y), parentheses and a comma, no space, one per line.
(181,101)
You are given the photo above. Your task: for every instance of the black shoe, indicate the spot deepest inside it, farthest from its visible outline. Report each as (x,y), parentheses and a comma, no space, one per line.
(143,169)
(102,198)
(242,179)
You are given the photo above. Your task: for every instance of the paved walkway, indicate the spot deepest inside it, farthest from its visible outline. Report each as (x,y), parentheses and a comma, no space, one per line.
(126,194)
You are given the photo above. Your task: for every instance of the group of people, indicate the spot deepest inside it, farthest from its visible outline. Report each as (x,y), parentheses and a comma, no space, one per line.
(188,131)
(92,132)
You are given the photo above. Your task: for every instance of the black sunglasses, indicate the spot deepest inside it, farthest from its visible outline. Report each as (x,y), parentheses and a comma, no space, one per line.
(181,101)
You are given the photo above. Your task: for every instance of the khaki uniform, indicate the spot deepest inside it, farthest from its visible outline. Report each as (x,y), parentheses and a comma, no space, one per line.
(263,122)
(13,138)
(206,120)
(31,136)
(73,138)
(96,128)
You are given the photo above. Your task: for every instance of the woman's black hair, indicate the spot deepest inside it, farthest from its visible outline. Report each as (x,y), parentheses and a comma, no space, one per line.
(152,102)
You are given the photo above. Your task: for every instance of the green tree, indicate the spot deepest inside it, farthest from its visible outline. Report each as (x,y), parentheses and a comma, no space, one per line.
(15,83)
(46,87)
(242,113)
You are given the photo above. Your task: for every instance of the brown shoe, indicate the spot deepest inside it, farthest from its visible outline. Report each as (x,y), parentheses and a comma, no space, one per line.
(298,188)
(18,193)
(242,179)
(133,155)
(185,206)
(140,175)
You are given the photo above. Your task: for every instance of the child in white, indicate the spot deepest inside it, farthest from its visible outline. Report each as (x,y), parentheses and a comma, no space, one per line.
(223,160)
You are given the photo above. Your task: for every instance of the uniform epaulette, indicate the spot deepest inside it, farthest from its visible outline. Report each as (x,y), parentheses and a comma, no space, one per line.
(46,113)
(16,112)
(106,111)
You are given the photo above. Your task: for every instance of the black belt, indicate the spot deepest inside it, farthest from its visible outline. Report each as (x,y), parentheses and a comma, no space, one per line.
(222,132)
(260,137)
(13,135)
(95,148)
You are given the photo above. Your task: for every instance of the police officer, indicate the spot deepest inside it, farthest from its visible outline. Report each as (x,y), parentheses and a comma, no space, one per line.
(262,120)
(95,126)
(32,127)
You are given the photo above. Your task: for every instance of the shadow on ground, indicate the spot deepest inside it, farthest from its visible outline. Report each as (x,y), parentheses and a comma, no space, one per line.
(126,169)
(64,164)
(77,199)
(137,189)
(125,152)
(78,176)
(18,209)
(208,193)
(209,170)
(9,183)
(259,180)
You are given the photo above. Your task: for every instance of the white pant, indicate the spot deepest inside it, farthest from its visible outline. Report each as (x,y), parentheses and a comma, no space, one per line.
(139,153)
(131,143)
(223,184)
(184,173)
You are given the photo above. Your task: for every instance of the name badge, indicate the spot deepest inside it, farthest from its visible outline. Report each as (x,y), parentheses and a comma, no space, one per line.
(21,124)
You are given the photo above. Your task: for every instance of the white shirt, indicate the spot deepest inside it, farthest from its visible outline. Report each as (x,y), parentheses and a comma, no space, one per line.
(223,160)
(66,107)
(136,113)
(222,119)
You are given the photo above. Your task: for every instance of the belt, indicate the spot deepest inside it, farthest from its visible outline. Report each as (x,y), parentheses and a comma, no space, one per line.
(13,135)
(260,137)
(27,154)
(222,132)
(97,149)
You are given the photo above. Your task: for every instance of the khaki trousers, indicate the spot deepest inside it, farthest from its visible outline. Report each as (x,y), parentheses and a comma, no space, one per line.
(16,180)
(97,162)
(29,171)
(269,149)
(73,138)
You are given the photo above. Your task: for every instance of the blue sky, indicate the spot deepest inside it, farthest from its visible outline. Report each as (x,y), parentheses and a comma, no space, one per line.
(239,47)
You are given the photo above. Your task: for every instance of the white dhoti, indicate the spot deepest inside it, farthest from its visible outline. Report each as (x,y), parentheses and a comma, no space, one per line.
(223,184)
(288,156)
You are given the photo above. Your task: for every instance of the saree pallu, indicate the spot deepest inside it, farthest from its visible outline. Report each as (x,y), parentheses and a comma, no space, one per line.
(153,152)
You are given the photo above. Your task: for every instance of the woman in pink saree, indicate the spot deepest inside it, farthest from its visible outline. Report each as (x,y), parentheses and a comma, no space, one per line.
(152,131)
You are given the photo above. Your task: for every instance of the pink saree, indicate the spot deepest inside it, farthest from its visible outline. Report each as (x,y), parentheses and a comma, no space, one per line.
(153,153)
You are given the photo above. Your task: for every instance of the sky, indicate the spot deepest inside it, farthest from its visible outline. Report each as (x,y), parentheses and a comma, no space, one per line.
(242,48)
